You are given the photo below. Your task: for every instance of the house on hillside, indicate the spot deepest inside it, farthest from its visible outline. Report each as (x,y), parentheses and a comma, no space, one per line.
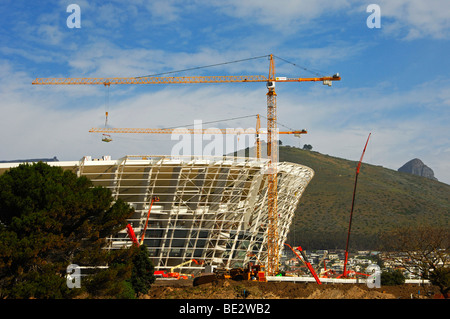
(333,257)
(292,262)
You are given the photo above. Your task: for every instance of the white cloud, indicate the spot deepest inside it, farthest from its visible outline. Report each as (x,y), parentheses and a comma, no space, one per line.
(413,19)
(164,11)
(408,19)
(104,58)
(50,34)
(283,13)
(324,56)
(404,124)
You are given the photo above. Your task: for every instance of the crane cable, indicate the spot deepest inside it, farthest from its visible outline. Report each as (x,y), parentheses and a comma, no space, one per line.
(302,67)
(231,62)
(202,67)
(211,122)
(106,105)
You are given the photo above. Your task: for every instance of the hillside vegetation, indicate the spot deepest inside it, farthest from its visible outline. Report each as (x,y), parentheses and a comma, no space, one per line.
(384,199)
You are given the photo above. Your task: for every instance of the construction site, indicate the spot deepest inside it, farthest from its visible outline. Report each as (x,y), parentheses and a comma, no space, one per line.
(226,212)
(231,289)
(211,221)
(208,209)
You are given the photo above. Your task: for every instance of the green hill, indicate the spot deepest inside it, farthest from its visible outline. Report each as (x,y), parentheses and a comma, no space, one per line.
(384,199)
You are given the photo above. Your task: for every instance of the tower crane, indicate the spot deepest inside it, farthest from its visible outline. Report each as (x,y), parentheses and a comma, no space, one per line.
(272,134)
(107,131)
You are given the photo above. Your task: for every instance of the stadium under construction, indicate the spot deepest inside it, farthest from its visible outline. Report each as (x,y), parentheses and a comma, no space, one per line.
(212,209)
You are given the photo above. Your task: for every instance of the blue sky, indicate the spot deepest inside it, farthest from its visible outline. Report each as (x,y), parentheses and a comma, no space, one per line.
(395,81)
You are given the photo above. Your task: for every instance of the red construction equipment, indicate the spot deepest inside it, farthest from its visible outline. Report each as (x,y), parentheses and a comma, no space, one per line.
(327,273)
(306,262)
(258,269)
(130,230)
(132,235)
(154,199)
(177,275)
(345,273)
(161,274)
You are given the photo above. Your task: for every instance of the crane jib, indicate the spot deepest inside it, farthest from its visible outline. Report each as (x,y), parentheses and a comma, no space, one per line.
(150,80)
(172,80)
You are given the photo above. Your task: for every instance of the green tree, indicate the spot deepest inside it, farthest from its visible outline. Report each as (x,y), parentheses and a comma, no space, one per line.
(441,277)
(392,278)
(143,271)
(422,250)
(49,219)
(114,281)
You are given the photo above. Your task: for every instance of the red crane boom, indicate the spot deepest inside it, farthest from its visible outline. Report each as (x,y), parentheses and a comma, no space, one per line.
(344,274)
(306,262)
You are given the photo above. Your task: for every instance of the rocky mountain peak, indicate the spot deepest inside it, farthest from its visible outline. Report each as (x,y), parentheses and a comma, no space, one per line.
(417,167)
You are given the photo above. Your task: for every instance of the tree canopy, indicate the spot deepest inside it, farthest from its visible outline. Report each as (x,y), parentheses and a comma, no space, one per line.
(427,252)
(49,219)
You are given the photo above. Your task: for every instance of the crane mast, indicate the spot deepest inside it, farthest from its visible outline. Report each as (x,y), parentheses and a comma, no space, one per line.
(272,149)
(258,140)
(273,250)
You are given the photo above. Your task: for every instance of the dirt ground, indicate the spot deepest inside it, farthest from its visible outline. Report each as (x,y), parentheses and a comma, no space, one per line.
(229,289)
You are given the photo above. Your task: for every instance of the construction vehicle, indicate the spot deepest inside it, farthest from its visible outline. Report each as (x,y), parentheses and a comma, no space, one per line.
(177,275)
(161,274)
(273,252)
(305,261)
(250,272)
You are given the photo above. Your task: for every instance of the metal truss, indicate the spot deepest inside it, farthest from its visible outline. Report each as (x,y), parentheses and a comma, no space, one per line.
(213,209)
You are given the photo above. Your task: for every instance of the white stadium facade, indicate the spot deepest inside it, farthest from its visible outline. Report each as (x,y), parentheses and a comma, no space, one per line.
(211,209)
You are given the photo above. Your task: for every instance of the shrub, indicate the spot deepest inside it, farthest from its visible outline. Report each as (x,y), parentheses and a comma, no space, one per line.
(392,278)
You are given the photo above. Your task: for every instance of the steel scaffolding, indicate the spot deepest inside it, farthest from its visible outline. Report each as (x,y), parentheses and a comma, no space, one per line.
(213,209)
